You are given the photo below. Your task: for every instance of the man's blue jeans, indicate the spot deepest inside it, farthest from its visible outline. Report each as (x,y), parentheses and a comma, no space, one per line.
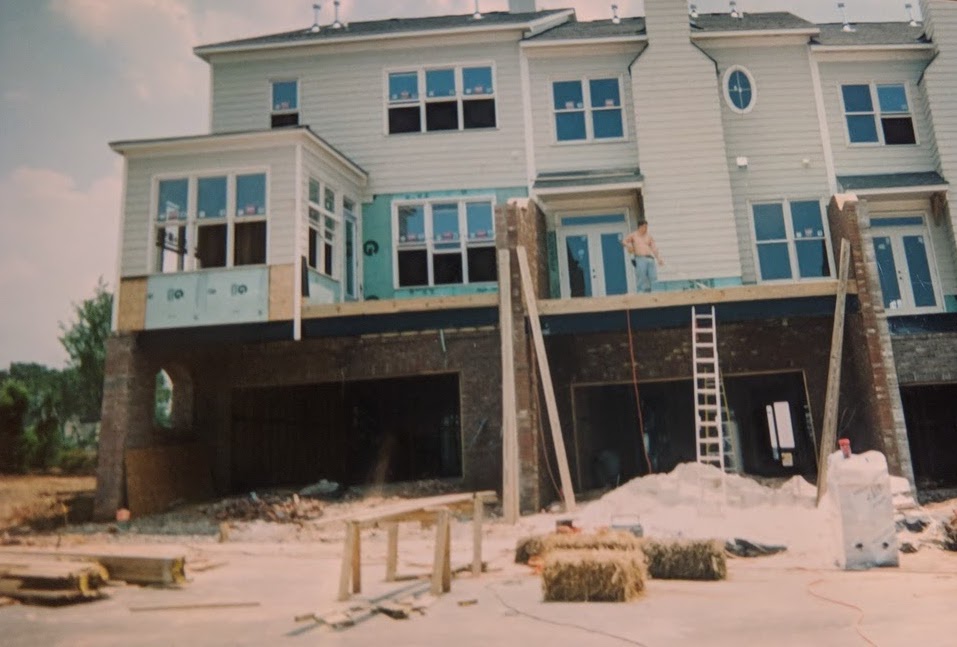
(646,272)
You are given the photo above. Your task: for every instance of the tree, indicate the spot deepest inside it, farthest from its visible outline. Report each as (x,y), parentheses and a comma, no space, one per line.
(85,343)
(14,402)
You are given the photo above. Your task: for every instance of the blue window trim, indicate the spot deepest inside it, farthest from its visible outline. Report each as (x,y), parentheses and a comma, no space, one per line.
(588,113)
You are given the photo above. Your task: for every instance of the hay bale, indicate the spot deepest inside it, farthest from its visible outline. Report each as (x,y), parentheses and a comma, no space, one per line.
(593,576)
(528,547)
(685,559)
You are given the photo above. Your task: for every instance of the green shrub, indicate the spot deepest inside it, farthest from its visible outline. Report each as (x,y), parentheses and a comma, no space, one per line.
(77,460)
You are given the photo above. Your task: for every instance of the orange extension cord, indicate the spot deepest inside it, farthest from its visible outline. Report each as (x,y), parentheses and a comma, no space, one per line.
(634,382)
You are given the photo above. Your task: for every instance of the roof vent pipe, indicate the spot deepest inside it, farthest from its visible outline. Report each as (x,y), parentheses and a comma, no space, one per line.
(478,14)
(694,11)
(734,10)
(910,14)
(522,6)
(316,8)
(614,15)
(847,26)
(337,24)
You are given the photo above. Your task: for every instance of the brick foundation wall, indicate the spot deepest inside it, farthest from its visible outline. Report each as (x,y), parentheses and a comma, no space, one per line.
(926,359)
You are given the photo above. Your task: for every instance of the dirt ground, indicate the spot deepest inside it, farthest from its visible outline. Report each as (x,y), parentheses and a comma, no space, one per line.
(249,580)
(35,499)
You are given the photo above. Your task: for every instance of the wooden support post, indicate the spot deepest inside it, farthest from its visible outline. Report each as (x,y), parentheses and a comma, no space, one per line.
(510,461)
(478,513)
(392,552)
(829,432)
(441,565)
(348,556)
(531,304)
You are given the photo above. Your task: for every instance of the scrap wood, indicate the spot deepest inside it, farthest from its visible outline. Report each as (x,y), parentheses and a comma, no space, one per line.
(7,601)
(50,581)
(133,569)
(394,610)
(196,606)
(203,566)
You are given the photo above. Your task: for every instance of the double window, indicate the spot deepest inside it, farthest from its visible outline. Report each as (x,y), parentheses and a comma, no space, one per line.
(284,98)
(221,218)
(878,114)
(588,110)
(442,98)
(323,225)
(791,240)
(445,242)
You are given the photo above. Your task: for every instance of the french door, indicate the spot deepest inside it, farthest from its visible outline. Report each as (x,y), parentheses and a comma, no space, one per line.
(905,264)
(592,261)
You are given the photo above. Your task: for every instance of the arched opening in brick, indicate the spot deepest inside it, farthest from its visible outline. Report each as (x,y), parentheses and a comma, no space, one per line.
(173,400)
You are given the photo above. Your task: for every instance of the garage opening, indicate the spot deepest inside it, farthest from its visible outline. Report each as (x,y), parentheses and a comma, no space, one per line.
(364,432)
(769,418)
(931,416)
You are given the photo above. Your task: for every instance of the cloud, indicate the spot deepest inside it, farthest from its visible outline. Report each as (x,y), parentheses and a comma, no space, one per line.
(59,238)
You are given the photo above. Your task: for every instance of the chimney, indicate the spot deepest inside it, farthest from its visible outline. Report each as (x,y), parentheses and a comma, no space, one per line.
(522,6)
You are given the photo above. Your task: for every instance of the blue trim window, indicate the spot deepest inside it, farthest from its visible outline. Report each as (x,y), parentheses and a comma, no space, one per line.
(438,99)
(588,110)
(739,90)
(284,104)
(878,114)
(790,240)
(323,228)
(444,242)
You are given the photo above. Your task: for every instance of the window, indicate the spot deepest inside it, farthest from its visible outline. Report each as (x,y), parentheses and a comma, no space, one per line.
(791,241)
(351,257)
(587,110)
(285,104)
(878,114)
(444,242)
(739,89)
(323,225)
(225,228)
(449,98)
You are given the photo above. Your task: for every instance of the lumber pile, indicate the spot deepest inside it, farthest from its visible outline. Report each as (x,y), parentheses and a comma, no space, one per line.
(58,578)
(599,575)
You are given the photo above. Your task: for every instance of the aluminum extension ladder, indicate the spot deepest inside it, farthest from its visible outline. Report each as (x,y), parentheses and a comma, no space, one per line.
(715,442)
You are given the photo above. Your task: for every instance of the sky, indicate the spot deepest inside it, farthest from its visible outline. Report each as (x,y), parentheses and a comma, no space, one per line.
(77,74)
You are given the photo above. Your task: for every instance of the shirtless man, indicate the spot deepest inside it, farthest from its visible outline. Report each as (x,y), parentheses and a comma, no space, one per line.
(644,256)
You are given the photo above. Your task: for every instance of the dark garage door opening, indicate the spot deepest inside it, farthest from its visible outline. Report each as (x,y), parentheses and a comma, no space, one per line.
(607,439)
(375,431)
(931,416)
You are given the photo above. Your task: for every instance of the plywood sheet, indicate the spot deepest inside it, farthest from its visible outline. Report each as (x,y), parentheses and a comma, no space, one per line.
(281,292)
(132,305)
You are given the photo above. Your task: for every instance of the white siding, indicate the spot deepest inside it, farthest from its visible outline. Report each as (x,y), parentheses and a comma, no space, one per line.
(138,212)
(687,194)
(777,135)
(865,159)
(343,100)
(579,63)
(940,83)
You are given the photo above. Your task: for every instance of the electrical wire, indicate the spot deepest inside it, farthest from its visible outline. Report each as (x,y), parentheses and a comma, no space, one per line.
(860,611)
(634,382)
(597,632)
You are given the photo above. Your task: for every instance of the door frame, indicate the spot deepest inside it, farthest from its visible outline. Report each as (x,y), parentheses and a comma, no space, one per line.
(896,233)
(593,231)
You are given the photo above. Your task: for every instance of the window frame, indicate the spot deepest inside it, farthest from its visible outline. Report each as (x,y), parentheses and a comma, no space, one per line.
(423,100)
(877,113)
(587,109)
(791,240)
(429,242)
(878,224)
(325,237)
(726,78)
(273,112)
(192,222)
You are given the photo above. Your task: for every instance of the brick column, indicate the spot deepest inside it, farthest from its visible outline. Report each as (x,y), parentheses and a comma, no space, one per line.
(127,419)
(869,339)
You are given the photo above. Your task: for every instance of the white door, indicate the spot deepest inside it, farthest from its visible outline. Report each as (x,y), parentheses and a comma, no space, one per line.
(905,264)
(592,261)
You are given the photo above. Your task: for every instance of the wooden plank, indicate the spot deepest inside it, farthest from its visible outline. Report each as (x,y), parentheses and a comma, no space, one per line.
(134,569)
(829,432)
(394,306)
(392,553)
(387,513)
(705,296)
(478,514)
(356,558)
(197,606)
(345,570)
(131,305)
(281,292)
(510,460)
(441,555)
(531,304)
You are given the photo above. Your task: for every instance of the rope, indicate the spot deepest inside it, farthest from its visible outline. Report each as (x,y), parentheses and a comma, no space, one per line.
(634,382)
(860,611)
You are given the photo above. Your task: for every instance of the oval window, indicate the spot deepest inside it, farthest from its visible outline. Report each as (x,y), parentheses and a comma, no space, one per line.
(739,89)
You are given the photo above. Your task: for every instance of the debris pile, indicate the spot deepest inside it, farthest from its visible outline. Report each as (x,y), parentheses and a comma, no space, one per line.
(276,508)
(950,532)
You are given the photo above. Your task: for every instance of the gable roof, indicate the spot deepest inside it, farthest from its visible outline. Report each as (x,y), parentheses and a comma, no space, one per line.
(872,33)
(389,28)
